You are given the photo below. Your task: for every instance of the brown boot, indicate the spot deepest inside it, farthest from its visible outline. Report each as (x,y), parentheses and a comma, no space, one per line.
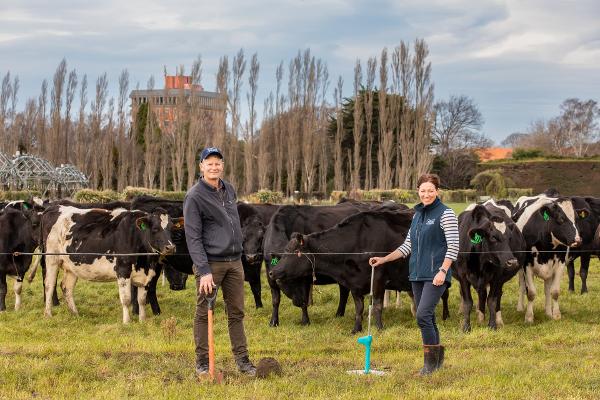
(441,357)
(431,356)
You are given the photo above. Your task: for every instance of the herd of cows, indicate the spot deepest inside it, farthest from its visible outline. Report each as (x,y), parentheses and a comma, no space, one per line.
(301,246)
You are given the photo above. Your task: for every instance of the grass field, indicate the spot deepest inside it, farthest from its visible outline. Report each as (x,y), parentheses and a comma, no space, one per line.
(95,356)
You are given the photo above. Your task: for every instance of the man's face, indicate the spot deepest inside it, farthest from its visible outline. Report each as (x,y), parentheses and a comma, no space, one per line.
(212,167)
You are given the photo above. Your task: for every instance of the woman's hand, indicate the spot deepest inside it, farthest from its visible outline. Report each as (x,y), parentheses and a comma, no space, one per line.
(439,279)
(376,261)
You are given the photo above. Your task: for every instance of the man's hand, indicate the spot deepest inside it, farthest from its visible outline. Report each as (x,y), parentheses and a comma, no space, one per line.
(206,284)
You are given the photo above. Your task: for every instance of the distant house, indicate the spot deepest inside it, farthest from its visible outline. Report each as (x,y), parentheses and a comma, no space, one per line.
(177,92)
(494,153)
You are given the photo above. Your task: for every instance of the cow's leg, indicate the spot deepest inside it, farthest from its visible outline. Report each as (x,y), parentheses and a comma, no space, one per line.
(50,271)
(521,296)
(467,302)
(18,287)
(135,307)
(482,296)
(386,298)
(492,304)
(359,307)
(398,299)
(555,290)
(413,305)
(275,300)
(583,271)
(142,295)
(344,293)
(3,291)
(548,297)
(445,309)
(150,296)
(307,290)
(499,320)
(571,273)
(256,291)
(68,285)
(125,297)
(529,286)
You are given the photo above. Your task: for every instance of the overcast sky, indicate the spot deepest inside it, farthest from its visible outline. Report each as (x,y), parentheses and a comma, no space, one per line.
(517,59)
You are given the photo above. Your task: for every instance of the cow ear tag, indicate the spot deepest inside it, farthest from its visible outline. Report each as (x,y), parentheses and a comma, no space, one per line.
(546,216)
(476,239)
(274,261)
(143,226)
(582,214)
(25,206)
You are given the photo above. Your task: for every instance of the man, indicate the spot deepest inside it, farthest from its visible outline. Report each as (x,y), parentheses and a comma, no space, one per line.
(214,238)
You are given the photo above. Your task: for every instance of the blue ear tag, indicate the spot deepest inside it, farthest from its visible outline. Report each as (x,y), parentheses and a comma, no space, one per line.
(476,239)
(546,216)
(274,261)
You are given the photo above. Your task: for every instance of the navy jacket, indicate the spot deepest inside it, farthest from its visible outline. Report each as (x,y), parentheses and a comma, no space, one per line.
(428,242)
(212,225)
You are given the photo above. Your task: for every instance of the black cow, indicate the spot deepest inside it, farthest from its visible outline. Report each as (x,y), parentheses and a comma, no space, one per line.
(548,226)
(16,235)
(303,219)
(176,267)
(342,254)
(254,219)
(488,238)
(587,215)
(73,230)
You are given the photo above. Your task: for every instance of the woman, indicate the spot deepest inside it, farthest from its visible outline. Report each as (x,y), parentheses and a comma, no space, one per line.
(432,244)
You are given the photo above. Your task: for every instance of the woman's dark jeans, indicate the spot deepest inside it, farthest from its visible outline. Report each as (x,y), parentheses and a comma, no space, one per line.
(427,296)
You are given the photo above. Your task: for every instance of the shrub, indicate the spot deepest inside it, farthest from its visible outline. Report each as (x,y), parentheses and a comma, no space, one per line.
(523,154)
(458,195)
(515,193)
(266,196)
(11,195)
(96,196)
(131,192)
(337,195)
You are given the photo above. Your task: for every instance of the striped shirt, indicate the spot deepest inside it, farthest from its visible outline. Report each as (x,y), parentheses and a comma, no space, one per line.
(449,224)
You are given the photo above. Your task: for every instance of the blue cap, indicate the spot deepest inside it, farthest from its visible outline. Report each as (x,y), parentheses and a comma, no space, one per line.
(209,151)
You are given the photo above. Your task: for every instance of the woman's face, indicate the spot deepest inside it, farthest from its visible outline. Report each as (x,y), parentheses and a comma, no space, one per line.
(427,193)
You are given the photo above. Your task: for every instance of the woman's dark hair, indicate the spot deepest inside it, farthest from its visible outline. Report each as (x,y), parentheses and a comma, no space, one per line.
(433,178)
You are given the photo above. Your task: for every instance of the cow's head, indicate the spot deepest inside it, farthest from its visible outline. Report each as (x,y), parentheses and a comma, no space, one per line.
(489,236)
(254,233)
(176,278)
(154,230)
(559,217)
(294,263)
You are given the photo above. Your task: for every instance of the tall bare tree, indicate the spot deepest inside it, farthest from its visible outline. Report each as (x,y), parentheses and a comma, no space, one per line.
(69,97)
(41,122)
(237,73)
(357,129)
(55,111)
(81,144)
(278,129)
(338,155)
(368,104)
(124,142)
(386,132)
(249,152)
(98,149)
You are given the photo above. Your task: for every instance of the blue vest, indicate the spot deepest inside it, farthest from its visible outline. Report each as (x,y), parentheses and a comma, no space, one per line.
(428,242)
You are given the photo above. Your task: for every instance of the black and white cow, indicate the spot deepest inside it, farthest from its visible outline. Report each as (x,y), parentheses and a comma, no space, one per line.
(587,215)
(492,249)
(548,226)
(73,230)
(16,236)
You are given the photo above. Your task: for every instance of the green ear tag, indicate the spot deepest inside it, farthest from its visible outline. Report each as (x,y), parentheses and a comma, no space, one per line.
(143,226)
(25,206)
(546,216)
(274,261)
(476,239)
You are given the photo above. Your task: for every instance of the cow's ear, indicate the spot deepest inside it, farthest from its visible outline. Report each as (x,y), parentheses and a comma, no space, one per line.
(594,204)
(178,223)
(480,212)
(476,236)
(142,223)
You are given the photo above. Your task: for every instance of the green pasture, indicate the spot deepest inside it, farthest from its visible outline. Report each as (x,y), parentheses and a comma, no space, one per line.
(94,356)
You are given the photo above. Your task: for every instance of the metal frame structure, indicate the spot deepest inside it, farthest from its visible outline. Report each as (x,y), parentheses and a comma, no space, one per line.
(29,172)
